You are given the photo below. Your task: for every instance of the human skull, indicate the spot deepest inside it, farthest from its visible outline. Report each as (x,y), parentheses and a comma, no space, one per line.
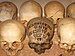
(55,10)
(29,10)
(70,10)
(12,33)
(40,33)
(66,33)
(8,10)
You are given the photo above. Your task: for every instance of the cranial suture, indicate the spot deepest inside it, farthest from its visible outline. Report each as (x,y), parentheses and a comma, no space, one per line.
(40,33)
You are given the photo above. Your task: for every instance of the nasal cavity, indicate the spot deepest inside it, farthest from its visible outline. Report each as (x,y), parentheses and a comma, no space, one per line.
(10,50)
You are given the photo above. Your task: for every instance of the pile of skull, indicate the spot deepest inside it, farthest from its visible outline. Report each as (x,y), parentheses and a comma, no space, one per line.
(39,29)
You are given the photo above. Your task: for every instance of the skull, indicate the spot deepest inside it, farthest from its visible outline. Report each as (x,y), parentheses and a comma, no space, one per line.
(40,33)
(7,11)
(54,10)
(29,10)
(70,10)
(66,33)
(12,33)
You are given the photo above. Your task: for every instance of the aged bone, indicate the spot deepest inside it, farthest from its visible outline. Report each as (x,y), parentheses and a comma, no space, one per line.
(70,10)
(66,33)
(29,10)
(12,33)
(40,33)
(8,10)
(55,10)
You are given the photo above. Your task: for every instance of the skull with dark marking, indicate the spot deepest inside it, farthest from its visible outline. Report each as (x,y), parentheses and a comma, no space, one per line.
(12,33)
(40,33)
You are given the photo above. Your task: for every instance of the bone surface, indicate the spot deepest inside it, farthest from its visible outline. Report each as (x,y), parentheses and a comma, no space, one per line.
(66,33)
(70,10)
(40,32)
(55,10)
(8,10)
(12,33)
(29,10)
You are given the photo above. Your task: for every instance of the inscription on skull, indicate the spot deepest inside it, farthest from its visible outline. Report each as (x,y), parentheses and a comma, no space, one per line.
(40,33)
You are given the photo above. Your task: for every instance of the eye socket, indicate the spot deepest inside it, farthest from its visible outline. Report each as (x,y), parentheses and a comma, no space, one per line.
(73,46)
(15,44)
(65,44)
(5,44)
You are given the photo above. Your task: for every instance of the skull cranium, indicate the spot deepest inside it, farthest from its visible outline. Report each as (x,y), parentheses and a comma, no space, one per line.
(70,10)
(8,10)
(40,33)
(66,33)
(12,33)
(55,10)
(29,10)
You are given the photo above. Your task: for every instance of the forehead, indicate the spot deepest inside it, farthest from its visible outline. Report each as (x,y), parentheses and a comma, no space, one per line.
(11,31)
(11,39)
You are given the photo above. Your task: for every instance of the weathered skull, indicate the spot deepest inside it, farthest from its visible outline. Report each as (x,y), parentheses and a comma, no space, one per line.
(28,10)
(66,33)
(8,10)
(40,33)
(55,10)
(12,33)
(70,10)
